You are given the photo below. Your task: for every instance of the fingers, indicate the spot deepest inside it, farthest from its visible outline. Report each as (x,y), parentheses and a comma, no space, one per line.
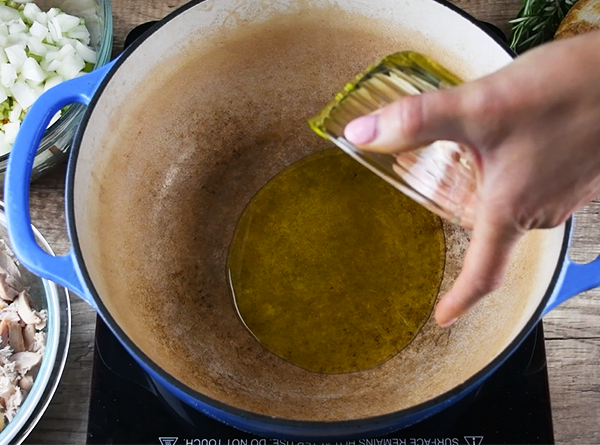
(453,114)
(411,122)
(483,270)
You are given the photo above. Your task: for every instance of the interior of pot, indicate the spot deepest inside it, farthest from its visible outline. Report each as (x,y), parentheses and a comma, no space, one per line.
(196,120)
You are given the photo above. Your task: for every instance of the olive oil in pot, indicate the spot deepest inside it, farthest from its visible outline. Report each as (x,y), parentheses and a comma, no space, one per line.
(333,269)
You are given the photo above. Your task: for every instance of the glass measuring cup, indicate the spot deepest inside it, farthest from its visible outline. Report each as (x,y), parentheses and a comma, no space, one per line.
(439,176)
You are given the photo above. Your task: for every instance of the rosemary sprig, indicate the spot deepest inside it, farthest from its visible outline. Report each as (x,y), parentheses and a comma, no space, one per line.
(536,22)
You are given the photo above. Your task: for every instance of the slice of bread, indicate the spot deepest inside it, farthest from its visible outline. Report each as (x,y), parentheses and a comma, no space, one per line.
(584,16)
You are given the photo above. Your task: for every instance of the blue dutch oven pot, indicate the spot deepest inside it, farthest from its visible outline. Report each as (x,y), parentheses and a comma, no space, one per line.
(373,402)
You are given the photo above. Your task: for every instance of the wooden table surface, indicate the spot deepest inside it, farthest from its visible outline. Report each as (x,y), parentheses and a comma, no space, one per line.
(572,330)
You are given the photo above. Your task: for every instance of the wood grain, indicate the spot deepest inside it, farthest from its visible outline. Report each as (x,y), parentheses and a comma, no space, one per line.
(573,346)
(574,388)
(572,330)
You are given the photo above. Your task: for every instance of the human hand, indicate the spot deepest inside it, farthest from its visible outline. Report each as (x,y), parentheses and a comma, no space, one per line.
(534,131)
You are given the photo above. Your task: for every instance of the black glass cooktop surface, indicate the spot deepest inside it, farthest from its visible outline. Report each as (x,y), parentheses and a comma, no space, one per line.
(510,407)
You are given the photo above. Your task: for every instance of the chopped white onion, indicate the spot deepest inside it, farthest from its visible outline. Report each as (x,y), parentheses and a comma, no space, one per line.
(38,50)
(31,70)
(71,66)
(36,47)
(65,51)
(80,33)
(54,65)
(15,39)
(42,18)
(31,11)
(16,55)
(67,41)
(7,13)
(38,30)
(66,22)
(16,26)
(86,53)
(15,113)
(23,94)
(38,88)
(53,36)
(10,131)
(52,12)
(51,55)
(52,82)
(8,74)
(33,84)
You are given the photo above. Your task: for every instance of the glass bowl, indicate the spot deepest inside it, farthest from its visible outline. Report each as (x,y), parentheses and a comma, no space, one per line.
(440,176)
(55,299)
(57,139)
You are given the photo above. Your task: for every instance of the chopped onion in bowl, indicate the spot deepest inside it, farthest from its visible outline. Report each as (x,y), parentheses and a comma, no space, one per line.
(38,50)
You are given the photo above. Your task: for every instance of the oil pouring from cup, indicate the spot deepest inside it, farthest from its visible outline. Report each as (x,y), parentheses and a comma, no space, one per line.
(439,176)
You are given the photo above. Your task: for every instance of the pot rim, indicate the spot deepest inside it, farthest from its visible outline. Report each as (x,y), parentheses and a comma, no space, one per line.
(383,419)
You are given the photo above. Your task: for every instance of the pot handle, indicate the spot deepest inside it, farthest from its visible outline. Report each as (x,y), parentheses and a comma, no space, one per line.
(60,269)
(574,278)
